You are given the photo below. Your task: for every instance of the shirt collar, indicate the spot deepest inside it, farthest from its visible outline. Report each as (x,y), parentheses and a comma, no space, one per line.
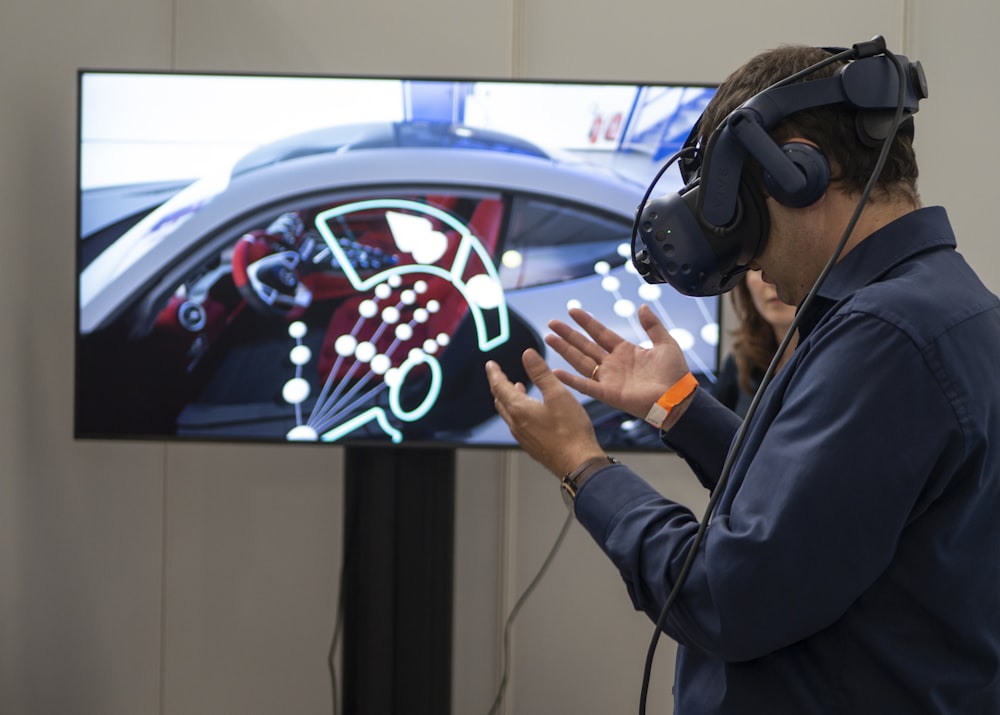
(916,232)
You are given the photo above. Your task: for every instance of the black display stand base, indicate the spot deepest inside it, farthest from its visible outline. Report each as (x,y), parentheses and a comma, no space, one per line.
(398,547)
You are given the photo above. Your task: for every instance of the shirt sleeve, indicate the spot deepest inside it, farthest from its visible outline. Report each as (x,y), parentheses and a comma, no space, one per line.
(702,436)
(832,469)
(726,388)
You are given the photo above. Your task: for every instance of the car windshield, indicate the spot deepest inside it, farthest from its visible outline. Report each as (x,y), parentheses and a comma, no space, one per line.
(376,135)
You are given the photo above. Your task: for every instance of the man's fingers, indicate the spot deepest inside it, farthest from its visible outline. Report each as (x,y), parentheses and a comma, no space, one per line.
(501,387)
(583,353)
(654,328)
(602,335)
(506,392)
(539,372)
(583,385)
(578,349)
(580,361)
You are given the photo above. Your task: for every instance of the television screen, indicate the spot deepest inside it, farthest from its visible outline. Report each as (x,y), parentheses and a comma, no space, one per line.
(333,259)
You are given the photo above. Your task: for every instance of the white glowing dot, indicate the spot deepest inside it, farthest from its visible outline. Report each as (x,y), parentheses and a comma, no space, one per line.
(430,347)
(365,351)
(433,306)
(392,377)
(512,259)
(408,297)
(417,235)
(420,286)
(624,308)
(382,291)
(297,330)
(302,433)
(390,315)
(443,339)
(624,250)
(345,345)
(610,284)
(710,333)
(300,355)
(485,291)
(368,309)
(404,331)
(683,337)
(295,391)
(650,292)
(395,280)
(630,268)
(416,355)
(420,315)
(380,364)
(573,303)
(602,268)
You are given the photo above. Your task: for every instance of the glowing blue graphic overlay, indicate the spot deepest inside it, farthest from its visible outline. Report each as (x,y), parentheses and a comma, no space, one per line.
(368,373)
(480,294)
(415,358)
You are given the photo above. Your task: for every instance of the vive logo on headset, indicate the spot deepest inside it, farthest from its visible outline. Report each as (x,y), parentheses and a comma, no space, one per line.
(702,239)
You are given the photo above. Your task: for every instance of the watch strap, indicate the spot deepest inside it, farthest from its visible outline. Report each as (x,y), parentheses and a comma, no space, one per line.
(572,482)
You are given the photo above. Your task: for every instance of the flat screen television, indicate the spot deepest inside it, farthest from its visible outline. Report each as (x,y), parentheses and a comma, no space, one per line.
(333,259)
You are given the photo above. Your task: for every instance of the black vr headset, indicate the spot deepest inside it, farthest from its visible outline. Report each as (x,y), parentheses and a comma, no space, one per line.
(702,239)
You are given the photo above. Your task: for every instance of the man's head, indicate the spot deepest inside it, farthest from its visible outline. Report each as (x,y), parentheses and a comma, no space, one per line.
(801,240)
(786,148)
(832,128)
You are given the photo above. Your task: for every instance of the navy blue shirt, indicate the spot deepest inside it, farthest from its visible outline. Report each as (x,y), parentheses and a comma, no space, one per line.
(852,563)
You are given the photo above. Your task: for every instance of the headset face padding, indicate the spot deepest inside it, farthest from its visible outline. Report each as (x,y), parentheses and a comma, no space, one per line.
(814,167)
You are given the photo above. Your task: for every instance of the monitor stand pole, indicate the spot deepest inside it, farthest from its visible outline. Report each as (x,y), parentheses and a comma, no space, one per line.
(397,591)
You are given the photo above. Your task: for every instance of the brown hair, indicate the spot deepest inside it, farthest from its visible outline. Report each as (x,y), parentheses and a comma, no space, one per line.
(833,128)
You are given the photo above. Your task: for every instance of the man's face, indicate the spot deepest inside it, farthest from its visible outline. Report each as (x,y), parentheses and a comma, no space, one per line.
(796,251)
(765,299)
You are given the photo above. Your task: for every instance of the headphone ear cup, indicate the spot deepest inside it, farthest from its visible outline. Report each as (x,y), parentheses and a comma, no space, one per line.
(813,165)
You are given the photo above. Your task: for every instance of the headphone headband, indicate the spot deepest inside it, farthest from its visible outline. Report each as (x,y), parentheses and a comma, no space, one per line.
(869,84)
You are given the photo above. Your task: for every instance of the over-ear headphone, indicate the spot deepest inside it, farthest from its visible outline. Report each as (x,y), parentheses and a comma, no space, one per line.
(812,164)
(702,239)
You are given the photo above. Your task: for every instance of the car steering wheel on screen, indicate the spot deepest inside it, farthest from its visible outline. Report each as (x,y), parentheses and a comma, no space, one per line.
(275,269)
(266,266)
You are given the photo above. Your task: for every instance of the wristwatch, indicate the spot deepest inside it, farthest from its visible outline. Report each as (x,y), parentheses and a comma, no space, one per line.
(572,482)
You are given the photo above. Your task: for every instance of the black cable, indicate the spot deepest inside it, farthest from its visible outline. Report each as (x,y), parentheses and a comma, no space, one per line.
(737,442)
(351,527)
(334,643)
(684,153)
(517,607)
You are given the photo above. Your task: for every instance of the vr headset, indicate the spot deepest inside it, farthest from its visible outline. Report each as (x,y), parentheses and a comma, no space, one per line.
(702,239)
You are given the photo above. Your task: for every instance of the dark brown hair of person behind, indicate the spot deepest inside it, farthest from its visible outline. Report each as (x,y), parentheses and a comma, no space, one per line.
(832,128)
(754,343)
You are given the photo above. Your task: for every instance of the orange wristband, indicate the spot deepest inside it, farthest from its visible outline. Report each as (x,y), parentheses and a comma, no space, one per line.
(677,393)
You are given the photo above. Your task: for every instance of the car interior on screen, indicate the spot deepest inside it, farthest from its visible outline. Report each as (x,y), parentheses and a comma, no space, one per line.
(349,282)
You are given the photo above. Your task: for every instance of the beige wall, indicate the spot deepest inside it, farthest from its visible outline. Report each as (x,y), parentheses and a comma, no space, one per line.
(146,578)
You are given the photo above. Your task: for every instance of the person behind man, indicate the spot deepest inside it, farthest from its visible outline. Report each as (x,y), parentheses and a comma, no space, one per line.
(763,322)
(850,563)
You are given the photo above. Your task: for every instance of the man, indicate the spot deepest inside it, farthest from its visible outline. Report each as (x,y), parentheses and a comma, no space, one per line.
(852,560)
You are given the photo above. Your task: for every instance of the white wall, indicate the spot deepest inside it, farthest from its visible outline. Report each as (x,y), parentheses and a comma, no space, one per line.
(145,578)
